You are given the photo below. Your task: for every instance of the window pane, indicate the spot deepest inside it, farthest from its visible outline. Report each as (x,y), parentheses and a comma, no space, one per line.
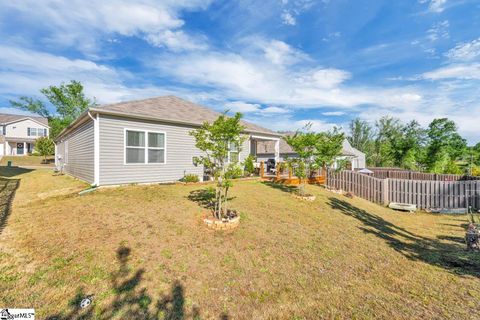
(33,131)
(156,156)
(135,155)
(233,146)
(135,139)
(234,157)
(156,140)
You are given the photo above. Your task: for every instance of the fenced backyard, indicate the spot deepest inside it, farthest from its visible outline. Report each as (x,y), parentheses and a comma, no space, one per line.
(459,192)
(391,173)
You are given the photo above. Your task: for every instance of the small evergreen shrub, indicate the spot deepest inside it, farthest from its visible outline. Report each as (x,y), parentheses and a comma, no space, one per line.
(234,171)
(248,165)
(190,178)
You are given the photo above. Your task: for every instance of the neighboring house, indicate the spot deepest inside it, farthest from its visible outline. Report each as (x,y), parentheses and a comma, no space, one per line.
(265,150)
(18,133)
(144,141)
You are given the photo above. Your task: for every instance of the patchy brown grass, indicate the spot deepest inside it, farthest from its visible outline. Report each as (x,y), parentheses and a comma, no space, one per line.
(145,254)
(25,161)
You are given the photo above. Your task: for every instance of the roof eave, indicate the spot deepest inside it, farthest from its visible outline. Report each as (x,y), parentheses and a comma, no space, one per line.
(196,124)
(22,119)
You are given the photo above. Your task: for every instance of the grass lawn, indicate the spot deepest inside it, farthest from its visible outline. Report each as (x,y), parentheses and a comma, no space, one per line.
(28,161)
(144,253)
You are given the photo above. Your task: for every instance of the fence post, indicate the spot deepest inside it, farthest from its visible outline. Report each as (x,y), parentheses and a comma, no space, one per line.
(262,169)
(278,171)
(290,172)
(385,192)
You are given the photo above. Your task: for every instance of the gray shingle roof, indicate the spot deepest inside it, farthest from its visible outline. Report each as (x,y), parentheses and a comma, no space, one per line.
(6,118)
(171,108)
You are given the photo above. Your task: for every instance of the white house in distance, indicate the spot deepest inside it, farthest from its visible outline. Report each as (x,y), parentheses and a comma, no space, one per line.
(19,132)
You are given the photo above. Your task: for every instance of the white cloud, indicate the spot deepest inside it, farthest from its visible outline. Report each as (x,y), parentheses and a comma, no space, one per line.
(435,6)
(81,23)
(334,113)
(176,40)
(288,18)
(25,72)
(275,110)
(439,31)
(316,125)
(467,51)
(324,78)
(278,52)
(287,123)
(252,79)
(243,107)
(455,71)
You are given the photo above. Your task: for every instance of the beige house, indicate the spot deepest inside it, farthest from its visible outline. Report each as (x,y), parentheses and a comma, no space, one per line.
(18,133)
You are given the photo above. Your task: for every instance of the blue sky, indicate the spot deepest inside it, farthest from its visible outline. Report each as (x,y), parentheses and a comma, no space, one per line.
(282,63)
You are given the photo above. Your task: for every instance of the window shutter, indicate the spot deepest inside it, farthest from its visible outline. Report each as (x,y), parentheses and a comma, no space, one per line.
(45,132)
(28,131)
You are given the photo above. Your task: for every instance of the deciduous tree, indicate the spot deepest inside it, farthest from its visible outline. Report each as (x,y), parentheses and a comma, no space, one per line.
(68,100)
(216,140)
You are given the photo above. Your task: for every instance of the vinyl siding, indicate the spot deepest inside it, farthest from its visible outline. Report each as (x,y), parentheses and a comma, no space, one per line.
(19,129)
(80,152)
(180,150)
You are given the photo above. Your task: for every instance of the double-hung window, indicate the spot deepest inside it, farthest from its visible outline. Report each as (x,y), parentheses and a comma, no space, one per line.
(233,152)
(144,147)
(36,132)
(156,147)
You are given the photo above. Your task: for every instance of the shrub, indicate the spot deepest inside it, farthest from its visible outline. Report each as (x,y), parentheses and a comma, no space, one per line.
(248,165)
(234,171)
(45,147)
(190,178)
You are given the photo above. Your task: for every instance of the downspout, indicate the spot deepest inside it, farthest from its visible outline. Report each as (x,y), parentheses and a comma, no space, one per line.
(96,148)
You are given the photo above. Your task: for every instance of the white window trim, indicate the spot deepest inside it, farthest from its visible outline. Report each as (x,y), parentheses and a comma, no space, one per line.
(39,132)
(146,132)
(229,161)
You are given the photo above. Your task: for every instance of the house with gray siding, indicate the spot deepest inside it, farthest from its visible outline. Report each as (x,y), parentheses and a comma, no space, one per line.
(143,141)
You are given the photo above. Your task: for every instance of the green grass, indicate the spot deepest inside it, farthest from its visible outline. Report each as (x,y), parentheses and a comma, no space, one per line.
(28,160)
(144,253)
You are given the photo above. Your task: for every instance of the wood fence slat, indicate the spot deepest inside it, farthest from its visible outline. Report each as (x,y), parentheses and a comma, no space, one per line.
(445,191)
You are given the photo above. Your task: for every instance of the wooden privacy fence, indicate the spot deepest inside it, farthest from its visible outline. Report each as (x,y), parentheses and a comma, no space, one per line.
(423,193)
(415,175)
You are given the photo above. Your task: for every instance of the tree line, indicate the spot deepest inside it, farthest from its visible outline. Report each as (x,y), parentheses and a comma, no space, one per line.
(438,148)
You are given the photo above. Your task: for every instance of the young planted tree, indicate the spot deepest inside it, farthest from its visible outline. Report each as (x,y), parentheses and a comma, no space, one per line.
(328,147)
(303,144)
(217,140)
(45,147)
(314,150)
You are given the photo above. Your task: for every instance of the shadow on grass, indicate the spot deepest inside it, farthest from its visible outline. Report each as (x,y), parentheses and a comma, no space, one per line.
(281,187)
(9,172)
(130,300)
(205,197)
(8,187)
(450,255)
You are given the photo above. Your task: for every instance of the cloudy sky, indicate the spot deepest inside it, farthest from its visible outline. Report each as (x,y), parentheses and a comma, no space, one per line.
(282,63)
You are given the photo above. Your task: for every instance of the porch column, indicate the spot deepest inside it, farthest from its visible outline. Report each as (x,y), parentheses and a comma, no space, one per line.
(25,148)
(277,150)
